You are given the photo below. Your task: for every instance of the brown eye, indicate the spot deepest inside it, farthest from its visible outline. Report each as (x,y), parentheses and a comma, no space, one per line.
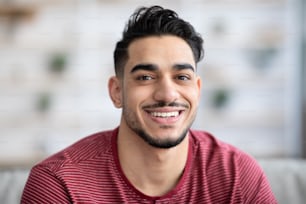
(144,78)
(183,77)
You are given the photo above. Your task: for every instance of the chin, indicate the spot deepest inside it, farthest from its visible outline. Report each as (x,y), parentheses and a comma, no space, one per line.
(164,141)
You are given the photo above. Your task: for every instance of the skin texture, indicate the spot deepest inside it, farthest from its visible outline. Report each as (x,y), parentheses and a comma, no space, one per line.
(159,94)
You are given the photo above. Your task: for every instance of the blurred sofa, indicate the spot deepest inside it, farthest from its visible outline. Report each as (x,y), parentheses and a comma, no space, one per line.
(12,182)
(287,178)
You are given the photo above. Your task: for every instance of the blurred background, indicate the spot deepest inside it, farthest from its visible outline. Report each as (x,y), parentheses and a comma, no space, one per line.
(56,57)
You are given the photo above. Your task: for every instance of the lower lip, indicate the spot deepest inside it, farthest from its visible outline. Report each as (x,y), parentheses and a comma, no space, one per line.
(167,120)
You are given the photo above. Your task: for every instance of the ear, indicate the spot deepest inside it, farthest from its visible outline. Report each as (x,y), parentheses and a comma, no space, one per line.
(199,85)
(114,90)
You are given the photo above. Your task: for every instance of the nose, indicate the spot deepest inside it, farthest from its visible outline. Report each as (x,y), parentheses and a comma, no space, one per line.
(166,90)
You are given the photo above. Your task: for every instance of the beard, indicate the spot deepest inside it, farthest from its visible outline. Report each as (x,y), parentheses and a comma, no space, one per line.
(135,126)
(159,143)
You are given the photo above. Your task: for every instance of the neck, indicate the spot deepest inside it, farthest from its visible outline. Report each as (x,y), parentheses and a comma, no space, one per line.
(153,171)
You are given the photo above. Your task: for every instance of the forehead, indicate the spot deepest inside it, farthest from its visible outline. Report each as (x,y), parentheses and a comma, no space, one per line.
(160,50)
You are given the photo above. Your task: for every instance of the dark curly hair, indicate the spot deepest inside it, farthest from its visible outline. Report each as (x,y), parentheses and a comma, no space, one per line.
(155,21)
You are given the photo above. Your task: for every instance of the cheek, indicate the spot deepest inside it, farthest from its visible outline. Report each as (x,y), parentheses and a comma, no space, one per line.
(193,96)
(135,96)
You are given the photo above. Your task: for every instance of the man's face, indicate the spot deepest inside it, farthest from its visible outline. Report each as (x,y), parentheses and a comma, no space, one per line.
(160,90)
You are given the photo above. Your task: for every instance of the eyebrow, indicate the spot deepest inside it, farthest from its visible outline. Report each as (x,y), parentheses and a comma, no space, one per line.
(145,67)
(184,66)
(153,67)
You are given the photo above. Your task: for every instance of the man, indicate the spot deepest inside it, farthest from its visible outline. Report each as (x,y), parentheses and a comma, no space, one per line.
(153,156)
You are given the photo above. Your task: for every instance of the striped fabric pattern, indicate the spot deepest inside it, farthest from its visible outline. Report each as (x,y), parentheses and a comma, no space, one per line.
(89,172)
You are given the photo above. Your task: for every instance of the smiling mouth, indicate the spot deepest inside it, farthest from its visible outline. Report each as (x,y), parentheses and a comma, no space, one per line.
(169,111)
(165,114)
(165,117)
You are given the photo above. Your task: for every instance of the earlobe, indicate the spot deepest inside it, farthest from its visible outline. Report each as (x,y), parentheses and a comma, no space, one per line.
(114,89)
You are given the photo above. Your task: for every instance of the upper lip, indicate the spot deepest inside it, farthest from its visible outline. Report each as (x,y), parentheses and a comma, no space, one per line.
(174,107)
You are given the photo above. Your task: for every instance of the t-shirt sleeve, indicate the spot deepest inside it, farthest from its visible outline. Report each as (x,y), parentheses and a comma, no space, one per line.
(254,184)
(43,186)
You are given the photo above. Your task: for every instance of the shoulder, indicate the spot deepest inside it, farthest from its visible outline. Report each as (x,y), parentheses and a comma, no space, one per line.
(212,149)
(68,173)
(228,169)
(209,142)
(88,148)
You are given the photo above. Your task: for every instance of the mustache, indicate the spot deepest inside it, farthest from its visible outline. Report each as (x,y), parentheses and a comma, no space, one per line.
(163,104)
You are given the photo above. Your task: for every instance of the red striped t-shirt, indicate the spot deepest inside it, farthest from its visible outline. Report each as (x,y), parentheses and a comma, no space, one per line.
(89,172)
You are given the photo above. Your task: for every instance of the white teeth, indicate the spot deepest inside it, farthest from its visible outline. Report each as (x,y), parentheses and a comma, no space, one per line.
(165,114)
